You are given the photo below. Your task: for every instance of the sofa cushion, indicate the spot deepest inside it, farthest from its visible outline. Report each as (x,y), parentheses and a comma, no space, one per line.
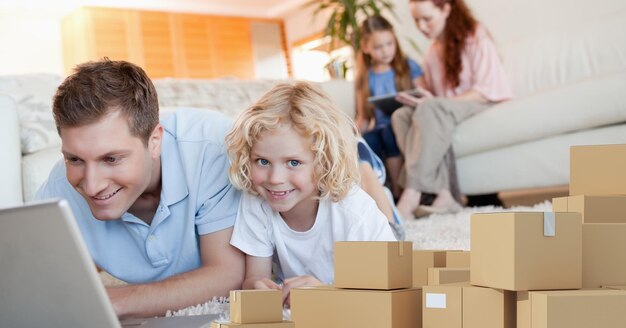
(535,164)
(33,95)
(10,166)
(588,103)
(35,169)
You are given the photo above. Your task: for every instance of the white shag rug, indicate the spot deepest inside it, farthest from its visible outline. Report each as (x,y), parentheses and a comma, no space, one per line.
(438,231)
(451,231)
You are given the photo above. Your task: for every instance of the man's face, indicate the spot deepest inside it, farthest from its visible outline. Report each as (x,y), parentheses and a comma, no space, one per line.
(108,166)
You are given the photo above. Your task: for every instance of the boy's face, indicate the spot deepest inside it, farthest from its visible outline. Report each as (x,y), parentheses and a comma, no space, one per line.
(108,166)
(282,172)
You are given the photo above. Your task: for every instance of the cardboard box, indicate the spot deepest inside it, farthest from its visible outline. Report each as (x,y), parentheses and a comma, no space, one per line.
(441,276)
(256,306)
(571,309)
(526,250)
(594,209)
(523,309)
(282,324)
(457,259)
(597,170)
(315,307)
(466,306)
(424,259)
(488,308)
(604,257)
(442,306)
(373,265)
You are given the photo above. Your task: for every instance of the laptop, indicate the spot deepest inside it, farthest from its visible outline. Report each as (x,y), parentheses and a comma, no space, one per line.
(48,279)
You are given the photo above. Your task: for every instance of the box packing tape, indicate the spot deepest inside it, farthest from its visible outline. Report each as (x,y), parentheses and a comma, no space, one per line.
(549,224)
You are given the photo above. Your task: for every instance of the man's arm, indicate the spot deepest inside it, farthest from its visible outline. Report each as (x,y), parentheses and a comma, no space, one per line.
(222,270)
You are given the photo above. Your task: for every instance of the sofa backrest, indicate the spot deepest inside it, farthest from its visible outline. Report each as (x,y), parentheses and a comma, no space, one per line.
(233,96)
(566,54)
(547,43)
(31,143)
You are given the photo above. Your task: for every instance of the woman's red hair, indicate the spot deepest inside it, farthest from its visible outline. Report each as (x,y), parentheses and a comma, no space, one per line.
(460,24)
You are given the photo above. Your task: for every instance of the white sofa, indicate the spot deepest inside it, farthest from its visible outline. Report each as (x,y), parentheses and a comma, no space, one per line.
(569,80)
(31,145)
(567,67)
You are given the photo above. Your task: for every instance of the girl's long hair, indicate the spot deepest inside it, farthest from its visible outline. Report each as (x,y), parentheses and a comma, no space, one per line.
(364,61)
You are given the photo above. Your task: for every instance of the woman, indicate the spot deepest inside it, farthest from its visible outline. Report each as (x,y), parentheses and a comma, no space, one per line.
(462,76)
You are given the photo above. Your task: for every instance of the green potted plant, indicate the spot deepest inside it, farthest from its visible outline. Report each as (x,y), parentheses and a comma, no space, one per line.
(343,24)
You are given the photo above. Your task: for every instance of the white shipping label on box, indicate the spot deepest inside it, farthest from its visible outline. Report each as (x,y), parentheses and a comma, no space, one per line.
(435,301)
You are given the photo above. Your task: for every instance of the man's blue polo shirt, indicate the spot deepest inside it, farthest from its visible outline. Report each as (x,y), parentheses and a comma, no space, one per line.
(196,199)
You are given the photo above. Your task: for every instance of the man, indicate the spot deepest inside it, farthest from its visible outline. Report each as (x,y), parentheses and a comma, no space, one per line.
(152,200)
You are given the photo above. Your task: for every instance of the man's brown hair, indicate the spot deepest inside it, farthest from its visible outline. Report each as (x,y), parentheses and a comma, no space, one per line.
(98,88)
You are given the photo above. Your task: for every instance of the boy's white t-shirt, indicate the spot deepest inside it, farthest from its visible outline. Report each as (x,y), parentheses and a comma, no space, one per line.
(259,231)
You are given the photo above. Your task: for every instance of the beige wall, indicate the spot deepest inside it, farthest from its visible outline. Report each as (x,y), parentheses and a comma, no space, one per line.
(31,43)
(301,24)
(507,20)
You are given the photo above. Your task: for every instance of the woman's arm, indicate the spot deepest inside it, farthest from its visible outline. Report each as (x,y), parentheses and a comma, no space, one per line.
(471,95)
(419,82)
(489,79)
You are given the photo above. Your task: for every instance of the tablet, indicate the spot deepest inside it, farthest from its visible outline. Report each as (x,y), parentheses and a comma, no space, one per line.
(388,103)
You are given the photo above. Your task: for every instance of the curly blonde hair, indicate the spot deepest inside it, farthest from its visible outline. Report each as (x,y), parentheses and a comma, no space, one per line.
(312,114)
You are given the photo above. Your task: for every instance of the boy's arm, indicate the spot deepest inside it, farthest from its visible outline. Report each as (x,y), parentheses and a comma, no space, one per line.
(295,282)
(259,273)
(222,270)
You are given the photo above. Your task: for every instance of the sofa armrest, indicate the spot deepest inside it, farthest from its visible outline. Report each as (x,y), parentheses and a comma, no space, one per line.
(342,93)
(582,105)
(11,164)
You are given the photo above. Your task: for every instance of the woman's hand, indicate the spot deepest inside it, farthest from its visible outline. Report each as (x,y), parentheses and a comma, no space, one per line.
(294,282)
(408,99)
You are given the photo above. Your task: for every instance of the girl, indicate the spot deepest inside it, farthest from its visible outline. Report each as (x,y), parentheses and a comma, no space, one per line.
(463,76)
(294,155)
(382,69)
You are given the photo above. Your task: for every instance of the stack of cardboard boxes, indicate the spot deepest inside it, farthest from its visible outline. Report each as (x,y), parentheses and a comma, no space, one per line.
(373,288)
(561,269)
(536,270)
(452,302)
(255,309)
(437,267)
